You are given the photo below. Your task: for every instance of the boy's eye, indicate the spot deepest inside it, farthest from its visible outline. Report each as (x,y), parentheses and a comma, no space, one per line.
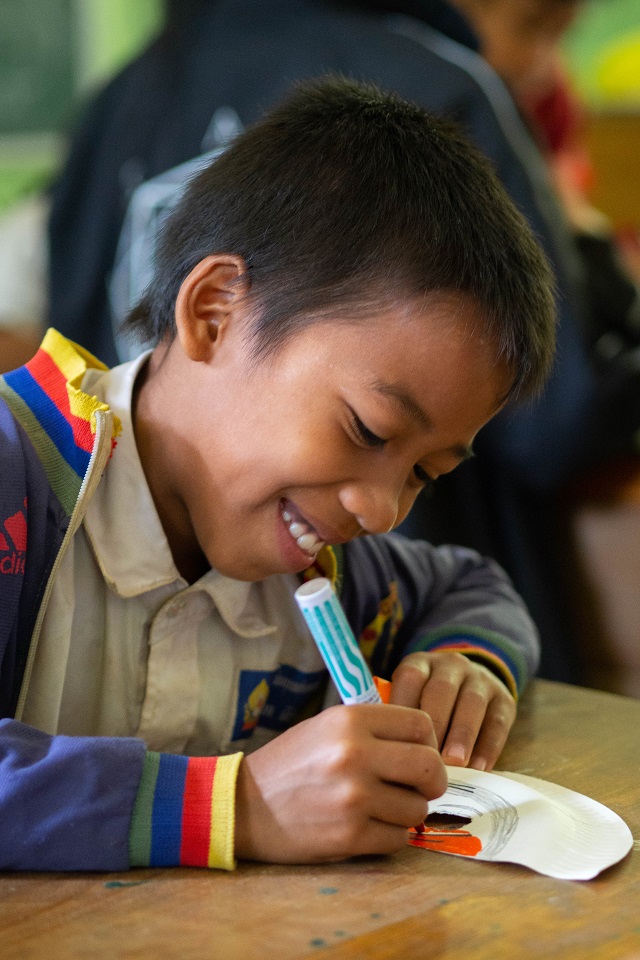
(366,436)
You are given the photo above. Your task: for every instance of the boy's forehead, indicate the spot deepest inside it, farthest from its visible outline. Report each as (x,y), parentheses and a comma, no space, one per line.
(393,348)
(434,338)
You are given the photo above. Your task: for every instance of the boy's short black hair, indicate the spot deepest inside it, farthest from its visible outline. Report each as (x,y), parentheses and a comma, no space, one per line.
(346,198)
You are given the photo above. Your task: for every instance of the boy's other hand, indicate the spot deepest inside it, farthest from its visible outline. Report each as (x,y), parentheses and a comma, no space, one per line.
(471,709)
(346,782)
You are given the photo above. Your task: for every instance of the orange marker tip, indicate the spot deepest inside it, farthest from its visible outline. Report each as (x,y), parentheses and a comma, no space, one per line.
(384,688)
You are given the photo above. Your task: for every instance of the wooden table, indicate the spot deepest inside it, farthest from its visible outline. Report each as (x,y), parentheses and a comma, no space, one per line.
(416,905)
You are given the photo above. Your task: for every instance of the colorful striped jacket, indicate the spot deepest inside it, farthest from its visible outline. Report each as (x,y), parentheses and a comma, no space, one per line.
(106,803)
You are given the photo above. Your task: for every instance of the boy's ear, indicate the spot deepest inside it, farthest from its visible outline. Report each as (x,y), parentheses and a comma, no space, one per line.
(207,301)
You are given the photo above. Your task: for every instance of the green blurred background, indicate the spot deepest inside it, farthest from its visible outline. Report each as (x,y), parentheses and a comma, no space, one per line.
(53,53)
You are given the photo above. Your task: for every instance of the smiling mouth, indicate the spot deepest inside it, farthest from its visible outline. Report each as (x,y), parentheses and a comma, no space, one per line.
(302,532)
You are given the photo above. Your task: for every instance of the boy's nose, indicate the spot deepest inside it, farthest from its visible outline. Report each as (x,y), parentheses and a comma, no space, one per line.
(374,507)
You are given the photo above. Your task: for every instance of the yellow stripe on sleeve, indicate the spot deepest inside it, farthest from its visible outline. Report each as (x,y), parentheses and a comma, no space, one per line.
(223,813)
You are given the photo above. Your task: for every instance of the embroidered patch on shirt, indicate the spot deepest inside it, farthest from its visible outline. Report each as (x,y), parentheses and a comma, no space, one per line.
(389,617)
(272,698)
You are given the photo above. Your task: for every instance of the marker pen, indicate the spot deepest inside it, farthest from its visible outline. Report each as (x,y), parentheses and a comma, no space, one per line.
(336,642)
(338,646)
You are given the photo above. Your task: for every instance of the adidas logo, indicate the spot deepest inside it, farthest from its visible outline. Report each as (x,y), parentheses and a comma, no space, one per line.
(13,543)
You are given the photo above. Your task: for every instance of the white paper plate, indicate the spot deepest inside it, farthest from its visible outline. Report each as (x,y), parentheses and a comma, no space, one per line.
(519,819)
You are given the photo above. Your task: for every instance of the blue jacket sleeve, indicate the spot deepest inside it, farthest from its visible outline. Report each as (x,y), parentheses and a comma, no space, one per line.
(403,595)
(66,802)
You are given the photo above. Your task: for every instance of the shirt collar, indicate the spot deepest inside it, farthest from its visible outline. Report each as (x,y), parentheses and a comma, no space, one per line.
(124,528)
(238,602)
(122,522)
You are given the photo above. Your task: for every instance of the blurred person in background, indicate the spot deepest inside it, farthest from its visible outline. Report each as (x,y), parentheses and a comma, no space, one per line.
(521,40)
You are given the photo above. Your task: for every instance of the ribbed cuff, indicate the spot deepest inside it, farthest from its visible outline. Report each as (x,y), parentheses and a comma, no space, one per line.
(184,813)
(483,645)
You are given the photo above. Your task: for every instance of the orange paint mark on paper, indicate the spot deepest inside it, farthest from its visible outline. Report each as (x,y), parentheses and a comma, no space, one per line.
(450,840)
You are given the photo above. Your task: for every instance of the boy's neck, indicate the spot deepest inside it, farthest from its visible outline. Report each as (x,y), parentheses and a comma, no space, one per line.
(151,430)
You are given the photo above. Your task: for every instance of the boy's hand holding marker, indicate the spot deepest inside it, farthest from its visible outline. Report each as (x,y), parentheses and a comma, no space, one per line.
(351,782)
(343,783)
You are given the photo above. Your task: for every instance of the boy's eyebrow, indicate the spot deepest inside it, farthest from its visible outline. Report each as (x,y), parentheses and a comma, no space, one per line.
(415,411)
(405,400)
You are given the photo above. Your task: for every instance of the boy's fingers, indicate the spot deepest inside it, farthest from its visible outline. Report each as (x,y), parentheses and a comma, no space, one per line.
(376,837)
(387,722)
(411,765)
(467,719)
(441,693)
(409,680)
(399,806)
(472,712)
(493,735)
(479,727)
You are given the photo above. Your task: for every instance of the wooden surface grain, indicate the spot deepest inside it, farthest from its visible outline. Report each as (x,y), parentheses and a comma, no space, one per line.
(417,905)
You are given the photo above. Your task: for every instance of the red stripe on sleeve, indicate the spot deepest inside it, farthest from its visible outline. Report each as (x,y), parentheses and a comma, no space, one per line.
(51,379)
(196,812)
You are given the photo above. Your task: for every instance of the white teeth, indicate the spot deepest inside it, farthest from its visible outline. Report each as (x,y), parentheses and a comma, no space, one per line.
(307,540)
(309,543)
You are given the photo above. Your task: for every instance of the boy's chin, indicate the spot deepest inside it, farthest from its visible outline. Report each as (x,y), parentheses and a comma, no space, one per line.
(252,571)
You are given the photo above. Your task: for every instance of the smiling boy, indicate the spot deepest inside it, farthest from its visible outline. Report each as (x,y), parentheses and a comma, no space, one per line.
(341,301)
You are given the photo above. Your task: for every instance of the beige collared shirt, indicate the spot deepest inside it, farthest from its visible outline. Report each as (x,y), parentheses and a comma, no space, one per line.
(129,648)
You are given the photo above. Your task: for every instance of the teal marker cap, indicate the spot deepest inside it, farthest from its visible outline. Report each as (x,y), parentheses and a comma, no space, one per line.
(339,648)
